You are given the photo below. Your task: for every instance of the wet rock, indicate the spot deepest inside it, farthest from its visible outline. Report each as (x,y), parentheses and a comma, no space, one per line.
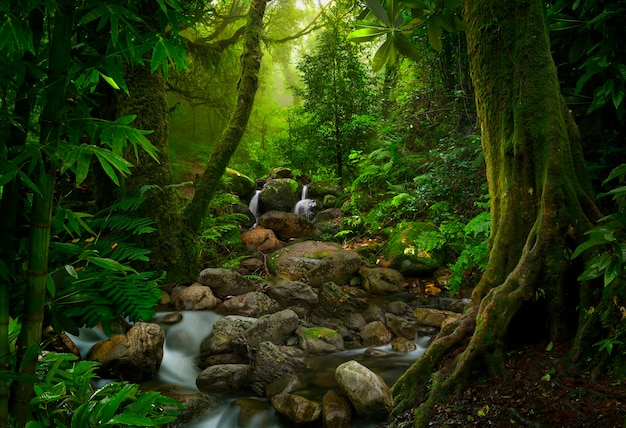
(338,301)
(274,361)
(287,225)
(296,408)
(336,411)
(320,340)
(172,318)
(197,404)
(402,344)
(136,355)
(434,317)
(295,295)
(226,378)
(279,194)
(374,313)
(60,343)
(400,326)
(239,184)
(404,253)
(229,358)
(367,392)
(253,413)
(376,353)
(381,281)
(195,297)
(226,336)
(275,328)
(260,239)
(280,172)
(354,321)
(225,282)
(252,304)
(399,308)
(314,263)
(375,333)
(284,385)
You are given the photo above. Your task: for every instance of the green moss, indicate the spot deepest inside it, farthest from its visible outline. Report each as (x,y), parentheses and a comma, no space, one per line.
(320,333)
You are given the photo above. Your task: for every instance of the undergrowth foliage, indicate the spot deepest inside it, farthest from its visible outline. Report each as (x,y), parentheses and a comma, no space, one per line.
(92,280)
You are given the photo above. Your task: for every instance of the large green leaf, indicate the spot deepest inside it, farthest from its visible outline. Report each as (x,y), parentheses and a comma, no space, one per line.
(367,34)
(383,55)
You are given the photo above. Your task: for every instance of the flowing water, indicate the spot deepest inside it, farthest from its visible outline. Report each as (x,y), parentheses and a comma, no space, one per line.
(305,205)
(254,206)
(181,349)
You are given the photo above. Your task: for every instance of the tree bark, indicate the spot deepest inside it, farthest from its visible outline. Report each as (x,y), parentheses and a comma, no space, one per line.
(541,202)
(207,184)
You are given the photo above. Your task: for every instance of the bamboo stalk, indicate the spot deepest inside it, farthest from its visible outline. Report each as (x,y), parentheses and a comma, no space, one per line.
(41,217)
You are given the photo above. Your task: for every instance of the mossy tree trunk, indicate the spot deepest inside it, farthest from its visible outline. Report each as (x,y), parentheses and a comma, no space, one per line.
(171,249)
(206,185)
(541,203)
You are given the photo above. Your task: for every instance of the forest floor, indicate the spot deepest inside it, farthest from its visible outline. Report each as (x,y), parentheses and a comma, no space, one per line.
(537,392)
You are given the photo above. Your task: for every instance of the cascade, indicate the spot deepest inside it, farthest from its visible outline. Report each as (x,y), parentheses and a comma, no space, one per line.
(254,206)
(305,205)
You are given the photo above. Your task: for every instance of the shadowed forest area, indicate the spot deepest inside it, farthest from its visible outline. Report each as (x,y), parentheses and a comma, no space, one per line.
(136,135)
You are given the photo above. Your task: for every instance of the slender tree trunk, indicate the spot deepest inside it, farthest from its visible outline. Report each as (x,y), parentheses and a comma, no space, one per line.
(41,217)
(207,184)
(541,203)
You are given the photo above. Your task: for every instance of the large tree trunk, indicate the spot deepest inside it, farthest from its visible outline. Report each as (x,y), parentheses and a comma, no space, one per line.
(206,186)
(171,248)
(541,202)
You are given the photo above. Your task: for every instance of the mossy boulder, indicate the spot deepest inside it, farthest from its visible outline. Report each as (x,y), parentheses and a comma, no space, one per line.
(279,195)
(239,184)
(405,250)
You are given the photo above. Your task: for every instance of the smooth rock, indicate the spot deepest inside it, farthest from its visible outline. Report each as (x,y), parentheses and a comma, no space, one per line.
(336,411)
(225,282)
(227,378)
(298,409)
(375,333)
(195,297)
(367,391)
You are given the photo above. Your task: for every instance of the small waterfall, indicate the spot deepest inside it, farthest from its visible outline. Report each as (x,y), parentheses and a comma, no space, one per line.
(305,205)
(254,206)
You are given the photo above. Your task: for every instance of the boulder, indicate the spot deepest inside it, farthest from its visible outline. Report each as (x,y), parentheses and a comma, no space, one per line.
(367,392)
(252,304)
(284,385)
(226,378)
(279,194)
(226,336)
(404,251)
(260,239)
(354,321)
(314,263)
(275,328)
(298,409)
(336,411)
(238,183)
(338,301)
(434,317)
(287,225)
(195,297)
(217,359)
(280,172)
(320,340)
(321,189)
(273,362)
(225,282)
(402,344)
(295,295)
(137,355)
(382,281)
(375,333)
(400,326)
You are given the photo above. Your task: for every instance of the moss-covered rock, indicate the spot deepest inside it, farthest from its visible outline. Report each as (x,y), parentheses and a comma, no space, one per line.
(279,195)
(239,184)
(405,250)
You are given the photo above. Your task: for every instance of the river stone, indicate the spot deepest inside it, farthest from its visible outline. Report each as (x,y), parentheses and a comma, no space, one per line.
(320,189)
(401,327)
(354,321)
(280,194)
(228,358)
(374,313)
(253,413)
(298,409)
(403,250)
(252,304)
(375,333)
(376,353)
(225,378)
(225,282)
(338,301)
(195,297)
(260,239)
(434,317)
(196,404)
(239,184)
(381,281)
(402,344)
(280,172)
(367,391)
(274,361)
(398,308)
(275,328)
(136,355)
(295,295)
(314,263)
(336,411)
(320,340)
(286,384)
(172,318)
(287,225)
(226,336)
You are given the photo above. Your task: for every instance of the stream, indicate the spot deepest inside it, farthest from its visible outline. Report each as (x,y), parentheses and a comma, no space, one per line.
(181,350)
